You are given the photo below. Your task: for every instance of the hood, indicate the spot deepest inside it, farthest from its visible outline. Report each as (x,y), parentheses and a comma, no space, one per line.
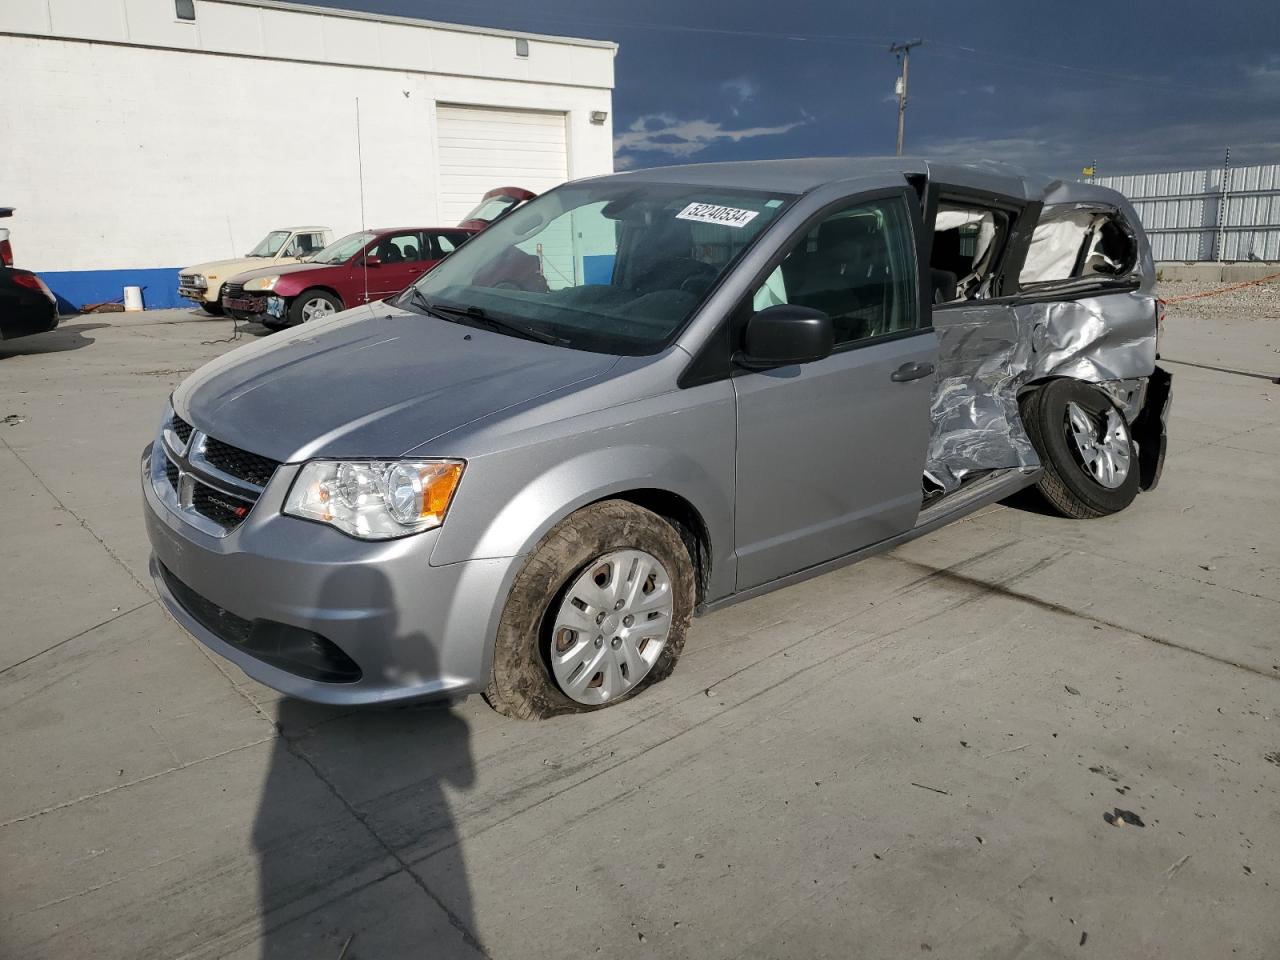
(223,269)
(372,382)
(276,268)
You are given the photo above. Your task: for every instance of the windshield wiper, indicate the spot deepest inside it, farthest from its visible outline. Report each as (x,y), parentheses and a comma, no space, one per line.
(474,314)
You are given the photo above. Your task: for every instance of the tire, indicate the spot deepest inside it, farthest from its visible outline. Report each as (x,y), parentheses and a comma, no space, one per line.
(1067,483)
(523,684)
(321,301)
(213,309)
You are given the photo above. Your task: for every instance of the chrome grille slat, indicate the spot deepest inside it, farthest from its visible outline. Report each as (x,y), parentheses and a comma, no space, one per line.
(204,494)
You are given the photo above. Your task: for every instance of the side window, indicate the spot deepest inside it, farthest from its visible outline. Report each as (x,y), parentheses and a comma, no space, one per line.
(1071,242)
(311,243)
(399,248)
(446,243)
(857,266)
(967,245)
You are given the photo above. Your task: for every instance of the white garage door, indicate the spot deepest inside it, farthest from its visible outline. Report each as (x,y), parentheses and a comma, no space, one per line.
(481,148)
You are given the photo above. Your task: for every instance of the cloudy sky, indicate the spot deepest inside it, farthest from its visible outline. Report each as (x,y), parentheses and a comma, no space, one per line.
(1134,85)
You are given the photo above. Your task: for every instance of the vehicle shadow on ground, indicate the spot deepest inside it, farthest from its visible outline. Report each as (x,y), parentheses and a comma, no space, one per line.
(348,791)
(1029,500)
(66,337)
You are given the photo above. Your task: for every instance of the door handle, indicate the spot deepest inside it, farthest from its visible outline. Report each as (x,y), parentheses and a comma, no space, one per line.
(911,371)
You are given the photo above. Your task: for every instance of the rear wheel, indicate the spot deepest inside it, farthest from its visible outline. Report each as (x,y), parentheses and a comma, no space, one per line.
(214,309)
(1090,462)
(313,305)
(598,613)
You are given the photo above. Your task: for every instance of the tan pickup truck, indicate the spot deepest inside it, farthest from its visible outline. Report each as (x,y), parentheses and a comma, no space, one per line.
(202,283)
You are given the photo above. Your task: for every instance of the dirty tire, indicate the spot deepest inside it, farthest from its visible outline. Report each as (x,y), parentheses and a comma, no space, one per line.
(522,685)
(1065,484)
(213,309)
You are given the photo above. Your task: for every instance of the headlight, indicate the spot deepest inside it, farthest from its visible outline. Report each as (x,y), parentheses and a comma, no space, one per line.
(261,283)
(375,499)
(198,280)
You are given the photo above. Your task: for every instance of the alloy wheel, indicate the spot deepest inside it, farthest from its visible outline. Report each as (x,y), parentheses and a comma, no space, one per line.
(315,308)
(1101,442)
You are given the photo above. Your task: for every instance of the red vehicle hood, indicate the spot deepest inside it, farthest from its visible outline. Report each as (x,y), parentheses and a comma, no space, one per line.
(301,275)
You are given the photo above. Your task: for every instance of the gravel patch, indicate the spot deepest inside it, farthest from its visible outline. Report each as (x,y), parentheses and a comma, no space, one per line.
(1257,302)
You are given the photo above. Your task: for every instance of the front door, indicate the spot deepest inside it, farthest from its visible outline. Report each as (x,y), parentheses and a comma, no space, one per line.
(830,454)
(402,260)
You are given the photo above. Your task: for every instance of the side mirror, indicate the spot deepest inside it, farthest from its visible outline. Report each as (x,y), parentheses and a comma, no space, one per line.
(786,334)
(373,261)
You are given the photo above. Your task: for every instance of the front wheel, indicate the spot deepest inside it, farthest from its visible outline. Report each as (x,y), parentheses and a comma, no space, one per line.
(1090,462)
(313,305)
(599,611)
(214,309)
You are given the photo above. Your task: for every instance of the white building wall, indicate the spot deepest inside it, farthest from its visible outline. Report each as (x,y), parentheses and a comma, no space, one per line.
(124,157)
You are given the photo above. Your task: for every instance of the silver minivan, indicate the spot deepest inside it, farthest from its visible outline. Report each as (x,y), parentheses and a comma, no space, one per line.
(646,396)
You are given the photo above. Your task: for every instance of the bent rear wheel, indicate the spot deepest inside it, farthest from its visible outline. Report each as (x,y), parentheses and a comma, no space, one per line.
(598,613)
(1087,449)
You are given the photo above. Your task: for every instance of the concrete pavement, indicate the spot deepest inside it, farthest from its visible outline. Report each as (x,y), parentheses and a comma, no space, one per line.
(911,756)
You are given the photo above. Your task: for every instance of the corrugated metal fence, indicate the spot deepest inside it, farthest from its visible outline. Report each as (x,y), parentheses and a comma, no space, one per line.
(1189,216)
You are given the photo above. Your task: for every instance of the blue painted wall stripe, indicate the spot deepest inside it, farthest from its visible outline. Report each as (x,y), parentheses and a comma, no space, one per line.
(75,288)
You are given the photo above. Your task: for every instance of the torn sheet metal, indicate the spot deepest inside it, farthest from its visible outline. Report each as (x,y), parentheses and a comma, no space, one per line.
(983,358)
(987,353)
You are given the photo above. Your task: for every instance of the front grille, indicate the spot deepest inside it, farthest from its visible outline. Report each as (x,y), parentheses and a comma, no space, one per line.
(189,280)
(247,466)
(232,290)
(226,511)
(171,472)
(181,428)
(298,651)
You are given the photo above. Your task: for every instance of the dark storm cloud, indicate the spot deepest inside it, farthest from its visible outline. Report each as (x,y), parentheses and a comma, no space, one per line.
(1136,86)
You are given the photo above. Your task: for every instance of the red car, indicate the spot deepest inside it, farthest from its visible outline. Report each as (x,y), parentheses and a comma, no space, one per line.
(359,268)
(495,204)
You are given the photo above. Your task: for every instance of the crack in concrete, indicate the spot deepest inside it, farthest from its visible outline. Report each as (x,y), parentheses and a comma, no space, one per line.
(1002,590)
(132,783)
(468,937)
(77,636)
(294,749)
(79,519)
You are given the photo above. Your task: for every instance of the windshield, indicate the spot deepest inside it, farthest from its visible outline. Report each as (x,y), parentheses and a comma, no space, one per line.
(611,266)
(491,209)
(270,244)
(340,251)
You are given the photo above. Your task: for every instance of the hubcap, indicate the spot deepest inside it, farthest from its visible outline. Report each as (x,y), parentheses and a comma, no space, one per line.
(318,307)
(611,627)
(1101,442)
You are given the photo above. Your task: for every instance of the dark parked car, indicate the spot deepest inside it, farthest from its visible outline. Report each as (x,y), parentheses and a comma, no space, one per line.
(27,306)
(359,268)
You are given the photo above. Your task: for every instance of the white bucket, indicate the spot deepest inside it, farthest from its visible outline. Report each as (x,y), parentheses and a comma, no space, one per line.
(132,299)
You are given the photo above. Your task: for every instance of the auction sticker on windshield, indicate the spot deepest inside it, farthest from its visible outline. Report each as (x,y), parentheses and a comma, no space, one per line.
(711,213)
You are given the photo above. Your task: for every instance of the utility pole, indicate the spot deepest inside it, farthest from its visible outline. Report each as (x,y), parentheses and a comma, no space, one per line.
(1222,208)
(903,52)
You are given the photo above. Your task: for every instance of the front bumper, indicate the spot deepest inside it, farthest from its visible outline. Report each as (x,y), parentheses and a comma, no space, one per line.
(250,304)
(1150,428)
(197,295)
(413,630)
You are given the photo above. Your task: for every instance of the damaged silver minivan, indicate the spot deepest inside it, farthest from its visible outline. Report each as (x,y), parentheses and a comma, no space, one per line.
(643,396)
